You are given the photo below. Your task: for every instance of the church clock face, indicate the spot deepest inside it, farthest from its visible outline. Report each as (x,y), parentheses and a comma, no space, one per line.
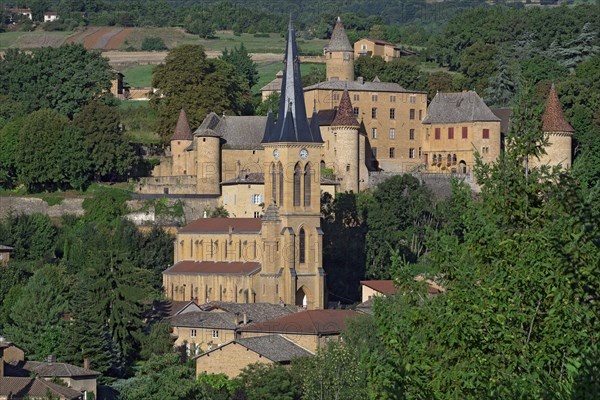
(303,154)
(276,154)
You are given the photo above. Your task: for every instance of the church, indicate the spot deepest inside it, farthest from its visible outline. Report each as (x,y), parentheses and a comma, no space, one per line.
(276,258)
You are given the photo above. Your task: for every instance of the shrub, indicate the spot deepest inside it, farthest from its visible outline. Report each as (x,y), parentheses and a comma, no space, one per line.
(153,44)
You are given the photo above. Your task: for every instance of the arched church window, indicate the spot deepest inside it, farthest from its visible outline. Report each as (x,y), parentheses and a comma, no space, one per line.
(434,159)
(280,171)
(307,185)
(297,173)
(322,164)
(302,246)
(273,183)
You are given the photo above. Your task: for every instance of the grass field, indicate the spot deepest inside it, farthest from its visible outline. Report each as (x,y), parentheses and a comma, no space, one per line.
(31,39)
(139,120)
(174,37)
(139,75)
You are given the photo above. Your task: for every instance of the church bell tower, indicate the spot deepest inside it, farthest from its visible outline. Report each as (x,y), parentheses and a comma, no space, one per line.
(292,270)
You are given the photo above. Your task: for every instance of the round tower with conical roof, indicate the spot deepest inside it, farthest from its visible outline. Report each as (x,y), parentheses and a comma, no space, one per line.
(207,143)
(180,141)
(558,131)
(339,55)
(346,141)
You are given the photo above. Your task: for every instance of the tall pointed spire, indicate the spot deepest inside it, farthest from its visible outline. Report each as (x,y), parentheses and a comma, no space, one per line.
(182,130)
(292,122)
(553,119)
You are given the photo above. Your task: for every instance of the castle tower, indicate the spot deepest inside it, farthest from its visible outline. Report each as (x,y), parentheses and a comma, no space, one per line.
(181,139)
(339,55)
(559,131)
(292,269)
(346,141)
(207,144)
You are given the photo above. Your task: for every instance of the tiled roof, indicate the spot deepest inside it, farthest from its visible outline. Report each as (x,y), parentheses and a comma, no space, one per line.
(345,113)
(381,286)
(242,132)
(357,86)
(21,388)
(274,347)
(180,307)
(222,225)
(54,369)
(447,108)
(257,312)
(205,319)
(312,322)
(381,42)
(182,130)
(339,40)
(553,119)
(251,177)
(366,307)
(275,84)
(211,267)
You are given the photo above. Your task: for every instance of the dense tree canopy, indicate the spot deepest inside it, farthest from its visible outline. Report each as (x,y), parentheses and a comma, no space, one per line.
(188,79)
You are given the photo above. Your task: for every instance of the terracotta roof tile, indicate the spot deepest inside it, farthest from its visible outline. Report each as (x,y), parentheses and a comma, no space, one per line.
(222,225)
(182,130)
(213,267)
(553,119)
(381,286)
(345,113)
(313,322)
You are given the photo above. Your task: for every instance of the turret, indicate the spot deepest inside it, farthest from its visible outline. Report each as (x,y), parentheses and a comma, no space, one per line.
(346,141)
(207,145)
(339,55)
(181,140)
(558,131)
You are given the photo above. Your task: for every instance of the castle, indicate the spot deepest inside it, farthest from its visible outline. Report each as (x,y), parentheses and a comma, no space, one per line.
(270,174)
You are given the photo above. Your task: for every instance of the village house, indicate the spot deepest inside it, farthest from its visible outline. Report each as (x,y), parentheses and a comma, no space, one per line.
(25,12)
(5,252)
(374,47)
(232,357)
(50,16)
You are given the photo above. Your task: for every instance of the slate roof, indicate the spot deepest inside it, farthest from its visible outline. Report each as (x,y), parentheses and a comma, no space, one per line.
(259,178)
(448,108)
(345,113)
(222,225)
(312,322)
(358,86)
(381,286)
(292,122)
(274,347)
(54,369)
(182,130)
(257,312)
(366,307)
(242,132)
(553,119)
(339,40)
(205,319)
(189,267)
(25,387)
(275,84)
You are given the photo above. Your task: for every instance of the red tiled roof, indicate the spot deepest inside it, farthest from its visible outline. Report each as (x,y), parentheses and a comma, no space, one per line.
(239,225)
(182,130)
(345,113)
(313,322)
(553,119)
(383,287)
(212,267)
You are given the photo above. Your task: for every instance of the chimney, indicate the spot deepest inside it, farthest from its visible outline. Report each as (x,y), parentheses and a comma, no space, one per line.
(51,358)
(86,363)
(361,80)
(245,318)
(236,319)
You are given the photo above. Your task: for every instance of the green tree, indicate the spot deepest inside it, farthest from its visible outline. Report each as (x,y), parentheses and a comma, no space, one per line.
(35,317)
(153,43)
(315,75)
(476,67)
(241,60)
(439,82)
(111,155)
(157,342)
(369,67)
(262,381)
(9,140)
(55,159)
(397,214)
(538,68)
(33,236)
(183,81)
(62,78)
(405,73)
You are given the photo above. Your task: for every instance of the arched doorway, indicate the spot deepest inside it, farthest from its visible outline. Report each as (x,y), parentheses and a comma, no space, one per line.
(302,297)
(462,167)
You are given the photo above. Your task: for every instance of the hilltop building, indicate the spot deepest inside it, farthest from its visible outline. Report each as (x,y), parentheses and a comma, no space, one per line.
(274,259)
(374,47)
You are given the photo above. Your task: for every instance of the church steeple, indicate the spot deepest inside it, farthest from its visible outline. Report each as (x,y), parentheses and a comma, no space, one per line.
(292,122)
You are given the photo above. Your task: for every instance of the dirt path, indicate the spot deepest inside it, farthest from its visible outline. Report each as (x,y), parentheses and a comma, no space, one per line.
(92,41)
(79,37)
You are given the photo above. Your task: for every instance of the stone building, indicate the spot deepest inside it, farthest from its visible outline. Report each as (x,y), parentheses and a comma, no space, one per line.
(559,133)
(374,47)
(458,125)
(274,259)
